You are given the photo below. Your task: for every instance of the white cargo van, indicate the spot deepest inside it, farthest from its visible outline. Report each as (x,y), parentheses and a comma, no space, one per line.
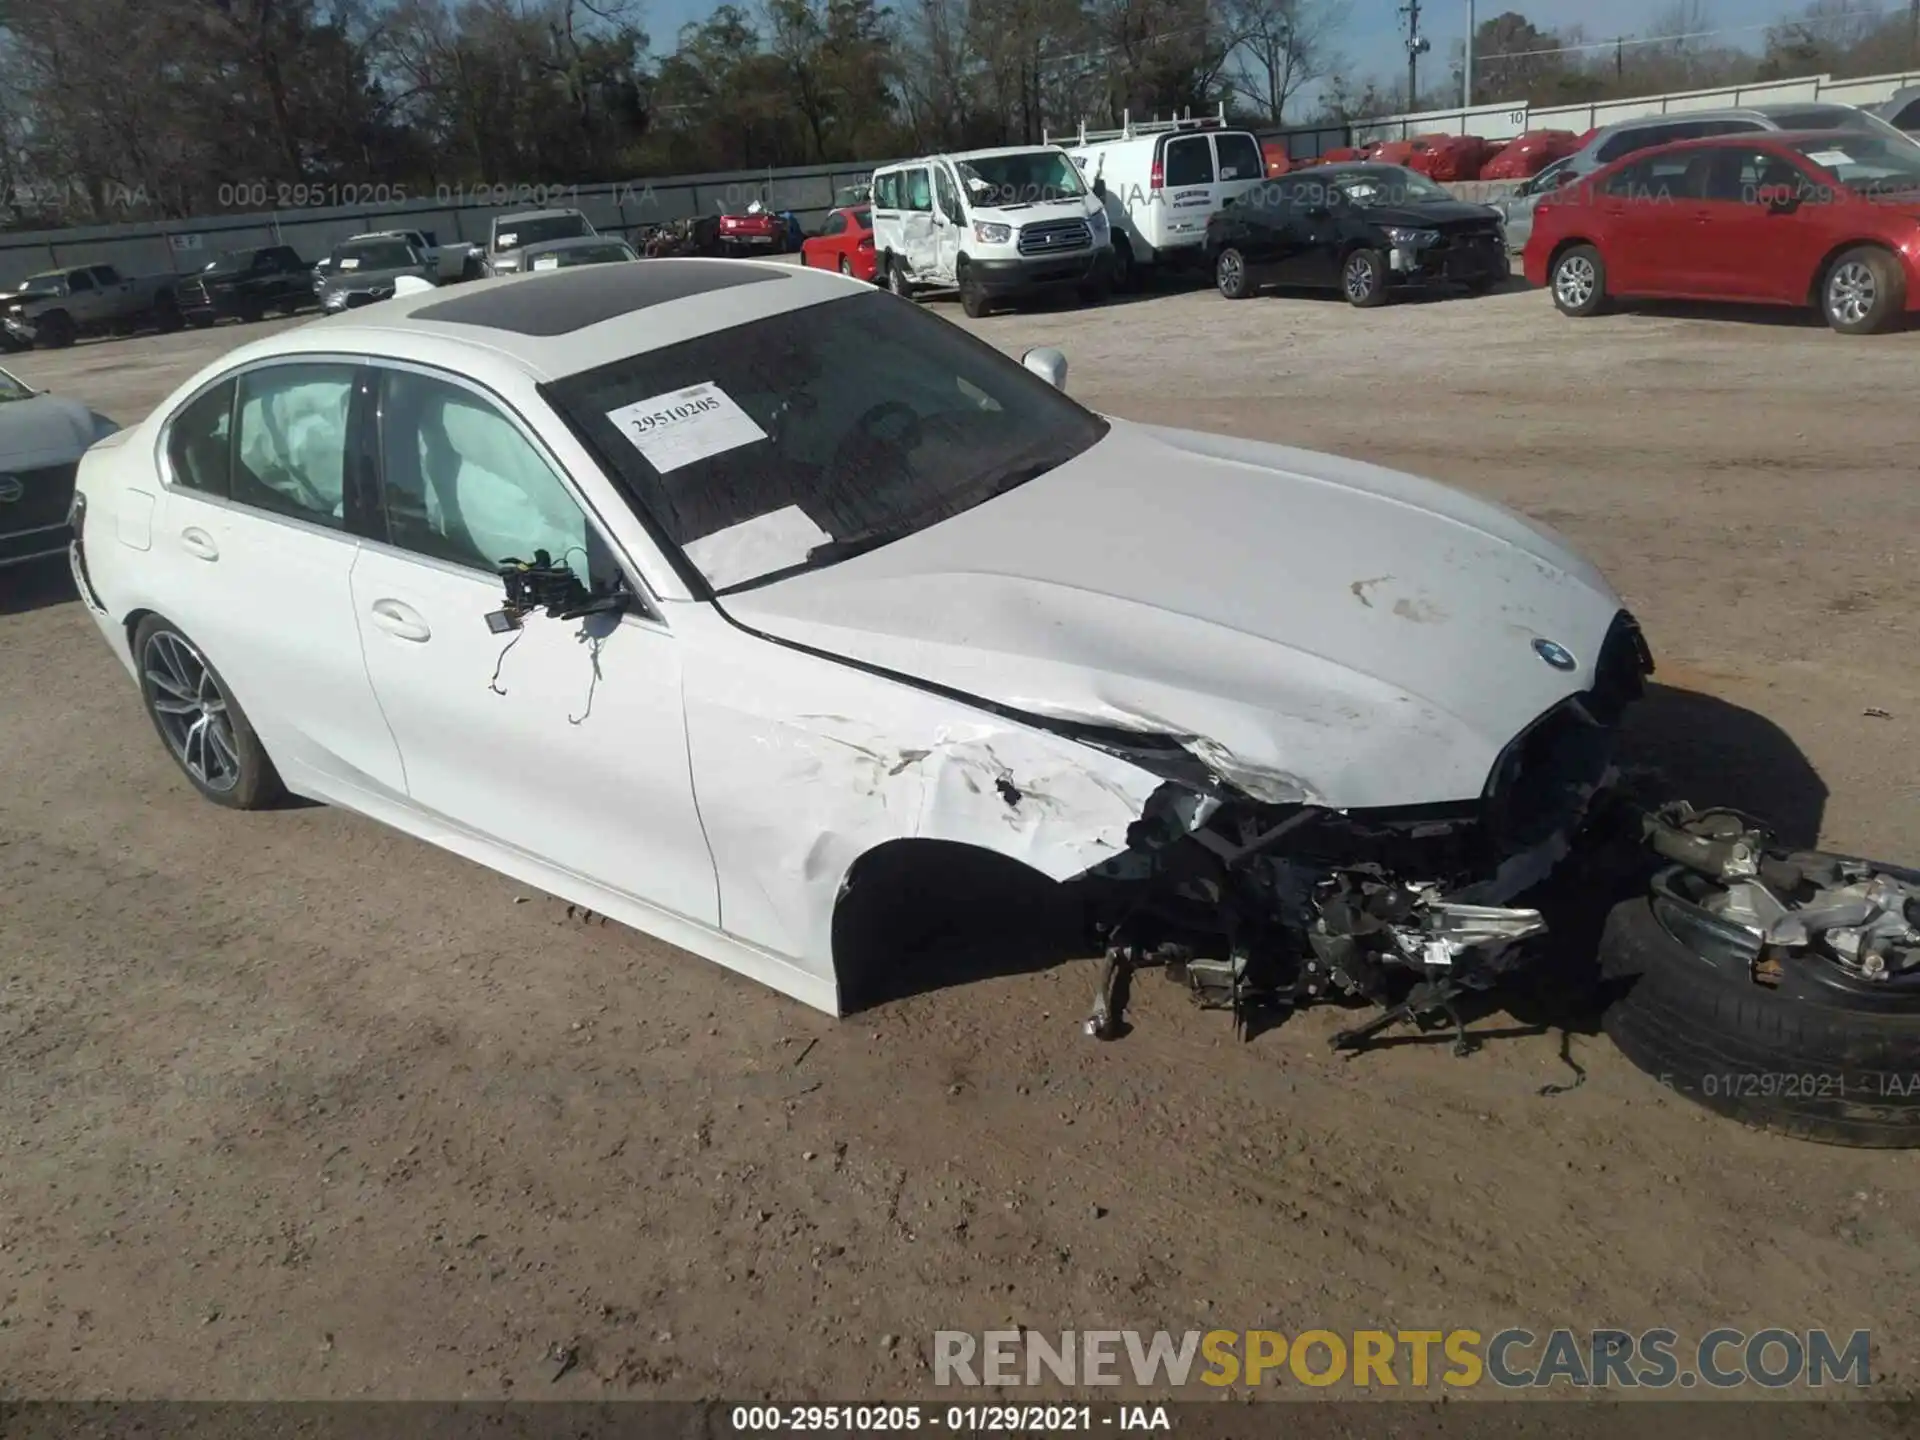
(996,224)
(1161,181)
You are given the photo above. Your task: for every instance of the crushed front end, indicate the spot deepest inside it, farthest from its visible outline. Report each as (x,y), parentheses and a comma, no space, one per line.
(1263,908)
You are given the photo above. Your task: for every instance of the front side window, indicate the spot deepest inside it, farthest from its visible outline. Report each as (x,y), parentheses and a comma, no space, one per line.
(200,442)
(464,485)
(81,281)
(797,440)
(291,450)
(943,188)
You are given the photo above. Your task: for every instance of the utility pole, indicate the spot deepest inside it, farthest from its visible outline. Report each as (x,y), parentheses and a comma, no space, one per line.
(1913,34)
(1466,70)
(1417,45)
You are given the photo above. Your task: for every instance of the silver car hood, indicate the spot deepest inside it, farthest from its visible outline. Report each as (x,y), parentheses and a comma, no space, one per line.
(1313,628)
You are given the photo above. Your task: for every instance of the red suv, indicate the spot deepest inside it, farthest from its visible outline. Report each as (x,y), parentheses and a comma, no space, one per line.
(1828,219)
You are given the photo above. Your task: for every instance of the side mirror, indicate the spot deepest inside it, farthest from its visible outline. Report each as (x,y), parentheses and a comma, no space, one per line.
(1099,187)
(1049,364)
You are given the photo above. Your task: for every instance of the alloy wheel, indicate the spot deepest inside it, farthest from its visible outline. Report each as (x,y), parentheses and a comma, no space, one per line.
(1574,282)
(1232,271)
(1359,277)
(192,710)
(1851,293)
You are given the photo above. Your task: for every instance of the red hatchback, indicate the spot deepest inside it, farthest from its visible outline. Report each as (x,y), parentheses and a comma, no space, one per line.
(1829,219)
(845,243)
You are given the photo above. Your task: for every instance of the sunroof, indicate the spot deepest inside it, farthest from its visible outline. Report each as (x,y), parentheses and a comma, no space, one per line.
(574,298)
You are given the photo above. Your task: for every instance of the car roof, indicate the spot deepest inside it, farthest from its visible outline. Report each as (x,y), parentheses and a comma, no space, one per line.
(552,323)
(1765,137)
(958,155)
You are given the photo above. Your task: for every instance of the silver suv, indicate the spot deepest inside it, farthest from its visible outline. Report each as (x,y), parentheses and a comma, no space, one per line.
(1643,132)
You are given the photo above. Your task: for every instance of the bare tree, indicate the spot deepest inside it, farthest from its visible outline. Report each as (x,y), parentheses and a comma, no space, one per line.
(1277,46)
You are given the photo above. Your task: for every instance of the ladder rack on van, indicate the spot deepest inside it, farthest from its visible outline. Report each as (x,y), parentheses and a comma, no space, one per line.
(1129,127)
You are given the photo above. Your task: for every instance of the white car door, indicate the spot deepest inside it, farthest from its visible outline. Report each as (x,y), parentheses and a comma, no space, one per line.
(253,555)
(564,740)
(950,226)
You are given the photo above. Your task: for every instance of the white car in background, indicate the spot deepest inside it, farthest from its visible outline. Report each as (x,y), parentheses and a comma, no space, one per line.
(42,437)
(750,606)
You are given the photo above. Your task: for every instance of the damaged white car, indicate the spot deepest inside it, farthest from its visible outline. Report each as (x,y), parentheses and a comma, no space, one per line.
(735,601)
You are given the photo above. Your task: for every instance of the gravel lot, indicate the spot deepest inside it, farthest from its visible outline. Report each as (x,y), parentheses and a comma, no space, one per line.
(293,1106)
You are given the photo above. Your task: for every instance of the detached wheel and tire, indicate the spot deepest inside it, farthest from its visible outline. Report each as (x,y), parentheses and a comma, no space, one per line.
(1578,281)
(203,726)
(1363,279)
(1841,1068)
(1231,276)
(1864,291)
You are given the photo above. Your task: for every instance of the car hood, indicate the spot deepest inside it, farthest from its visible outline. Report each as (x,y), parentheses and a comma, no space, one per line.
(1312,628)
(43,430)
(1433,215)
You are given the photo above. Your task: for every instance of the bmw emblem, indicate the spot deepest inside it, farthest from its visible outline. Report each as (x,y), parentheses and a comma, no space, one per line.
(11,489)
(1558,656)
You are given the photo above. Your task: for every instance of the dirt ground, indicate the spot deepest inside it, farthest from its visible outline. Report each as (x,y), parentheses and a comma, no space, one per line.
(291,1106)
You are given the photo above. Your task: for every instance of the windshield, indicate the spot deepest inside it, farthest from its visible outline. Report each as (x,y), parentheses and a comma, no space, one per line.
(228,263)
(1389,185)
(583,255)
(1838,117)
(11,387)
(513,234)
(1866,164)
(374,255)
(1021,179)
(806,437)
(43,285)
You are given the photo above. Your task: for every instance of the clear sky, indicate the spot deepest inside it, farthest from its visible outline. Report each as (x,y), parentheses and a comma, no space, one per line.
(1373,39)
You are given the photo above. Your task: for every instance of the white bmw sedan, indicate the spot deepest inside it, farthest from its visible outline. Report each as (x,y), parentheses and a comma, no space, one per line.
(752,607)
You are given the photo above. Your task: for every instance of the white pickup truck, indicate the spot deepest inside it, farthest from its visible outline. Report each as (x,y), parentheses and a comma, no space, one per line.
(57,307)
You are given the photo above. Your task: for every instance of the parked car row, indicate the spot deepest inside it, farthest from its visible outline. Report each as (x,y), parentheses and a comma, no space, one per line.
(1806,218)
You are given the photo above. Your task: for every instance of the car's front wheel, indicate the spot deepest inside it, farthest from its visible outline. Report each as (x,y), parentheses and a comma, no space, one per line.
(1363,279)
(1230,275)
(204,728)
(1863,292)
(1579,282)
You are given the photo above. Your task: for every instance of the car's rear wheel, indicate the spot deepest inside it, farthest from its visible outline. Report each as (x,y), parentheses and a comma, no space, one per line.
(1579,282)
(204,728)
(897,280)
(1230,274)
(1363,279)
(1863,292)
(846,267)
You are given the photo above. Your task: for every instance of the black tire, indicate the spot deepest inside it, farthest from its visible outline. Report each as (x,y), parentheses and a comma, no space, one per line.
(1126,270)
(1232,277)
(166,315)
(1363,278)
(53,331)
(973,299)
(846,267)
(1797,1066)
(201,321)
(254,784)
(1578,282)
(1863,292)
(897,280)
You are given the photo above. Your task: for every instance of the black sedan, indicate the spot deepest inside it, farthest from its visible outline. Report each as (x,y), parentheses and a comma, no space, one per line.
(1365,230)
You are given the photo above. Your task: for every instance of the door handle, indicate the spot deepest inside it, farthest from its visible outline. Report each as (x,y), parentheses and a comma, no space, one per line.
(400,620)
(197,543)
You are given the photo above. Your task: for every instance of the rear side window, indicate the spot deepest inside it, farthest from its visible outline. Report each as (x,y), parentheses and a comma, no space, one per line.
(1190,161)
(79,280)
(292,441)
(886,190)
(1240,157)
(836,223)
(919,188)
(200,443)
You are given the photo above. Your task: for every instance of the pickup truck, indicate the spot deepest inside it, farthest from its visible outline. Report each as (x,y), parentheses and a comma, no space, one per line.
(246,285)
(57,307)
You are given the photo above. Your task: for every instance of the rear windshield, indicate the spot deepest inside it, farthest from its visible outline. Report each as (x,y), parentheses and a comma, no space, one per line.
(512,234)
(795,441)
(1867,164)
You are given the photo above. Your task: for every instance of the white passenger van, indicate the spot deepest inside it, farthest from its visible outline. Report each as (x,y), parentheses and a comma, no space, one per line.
(1162,180)
(997,224)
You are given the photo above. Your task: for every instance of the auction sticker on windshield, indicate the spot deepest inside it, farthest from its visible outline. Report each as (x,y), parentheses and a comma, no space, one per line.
(683,426)
(1830,157)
